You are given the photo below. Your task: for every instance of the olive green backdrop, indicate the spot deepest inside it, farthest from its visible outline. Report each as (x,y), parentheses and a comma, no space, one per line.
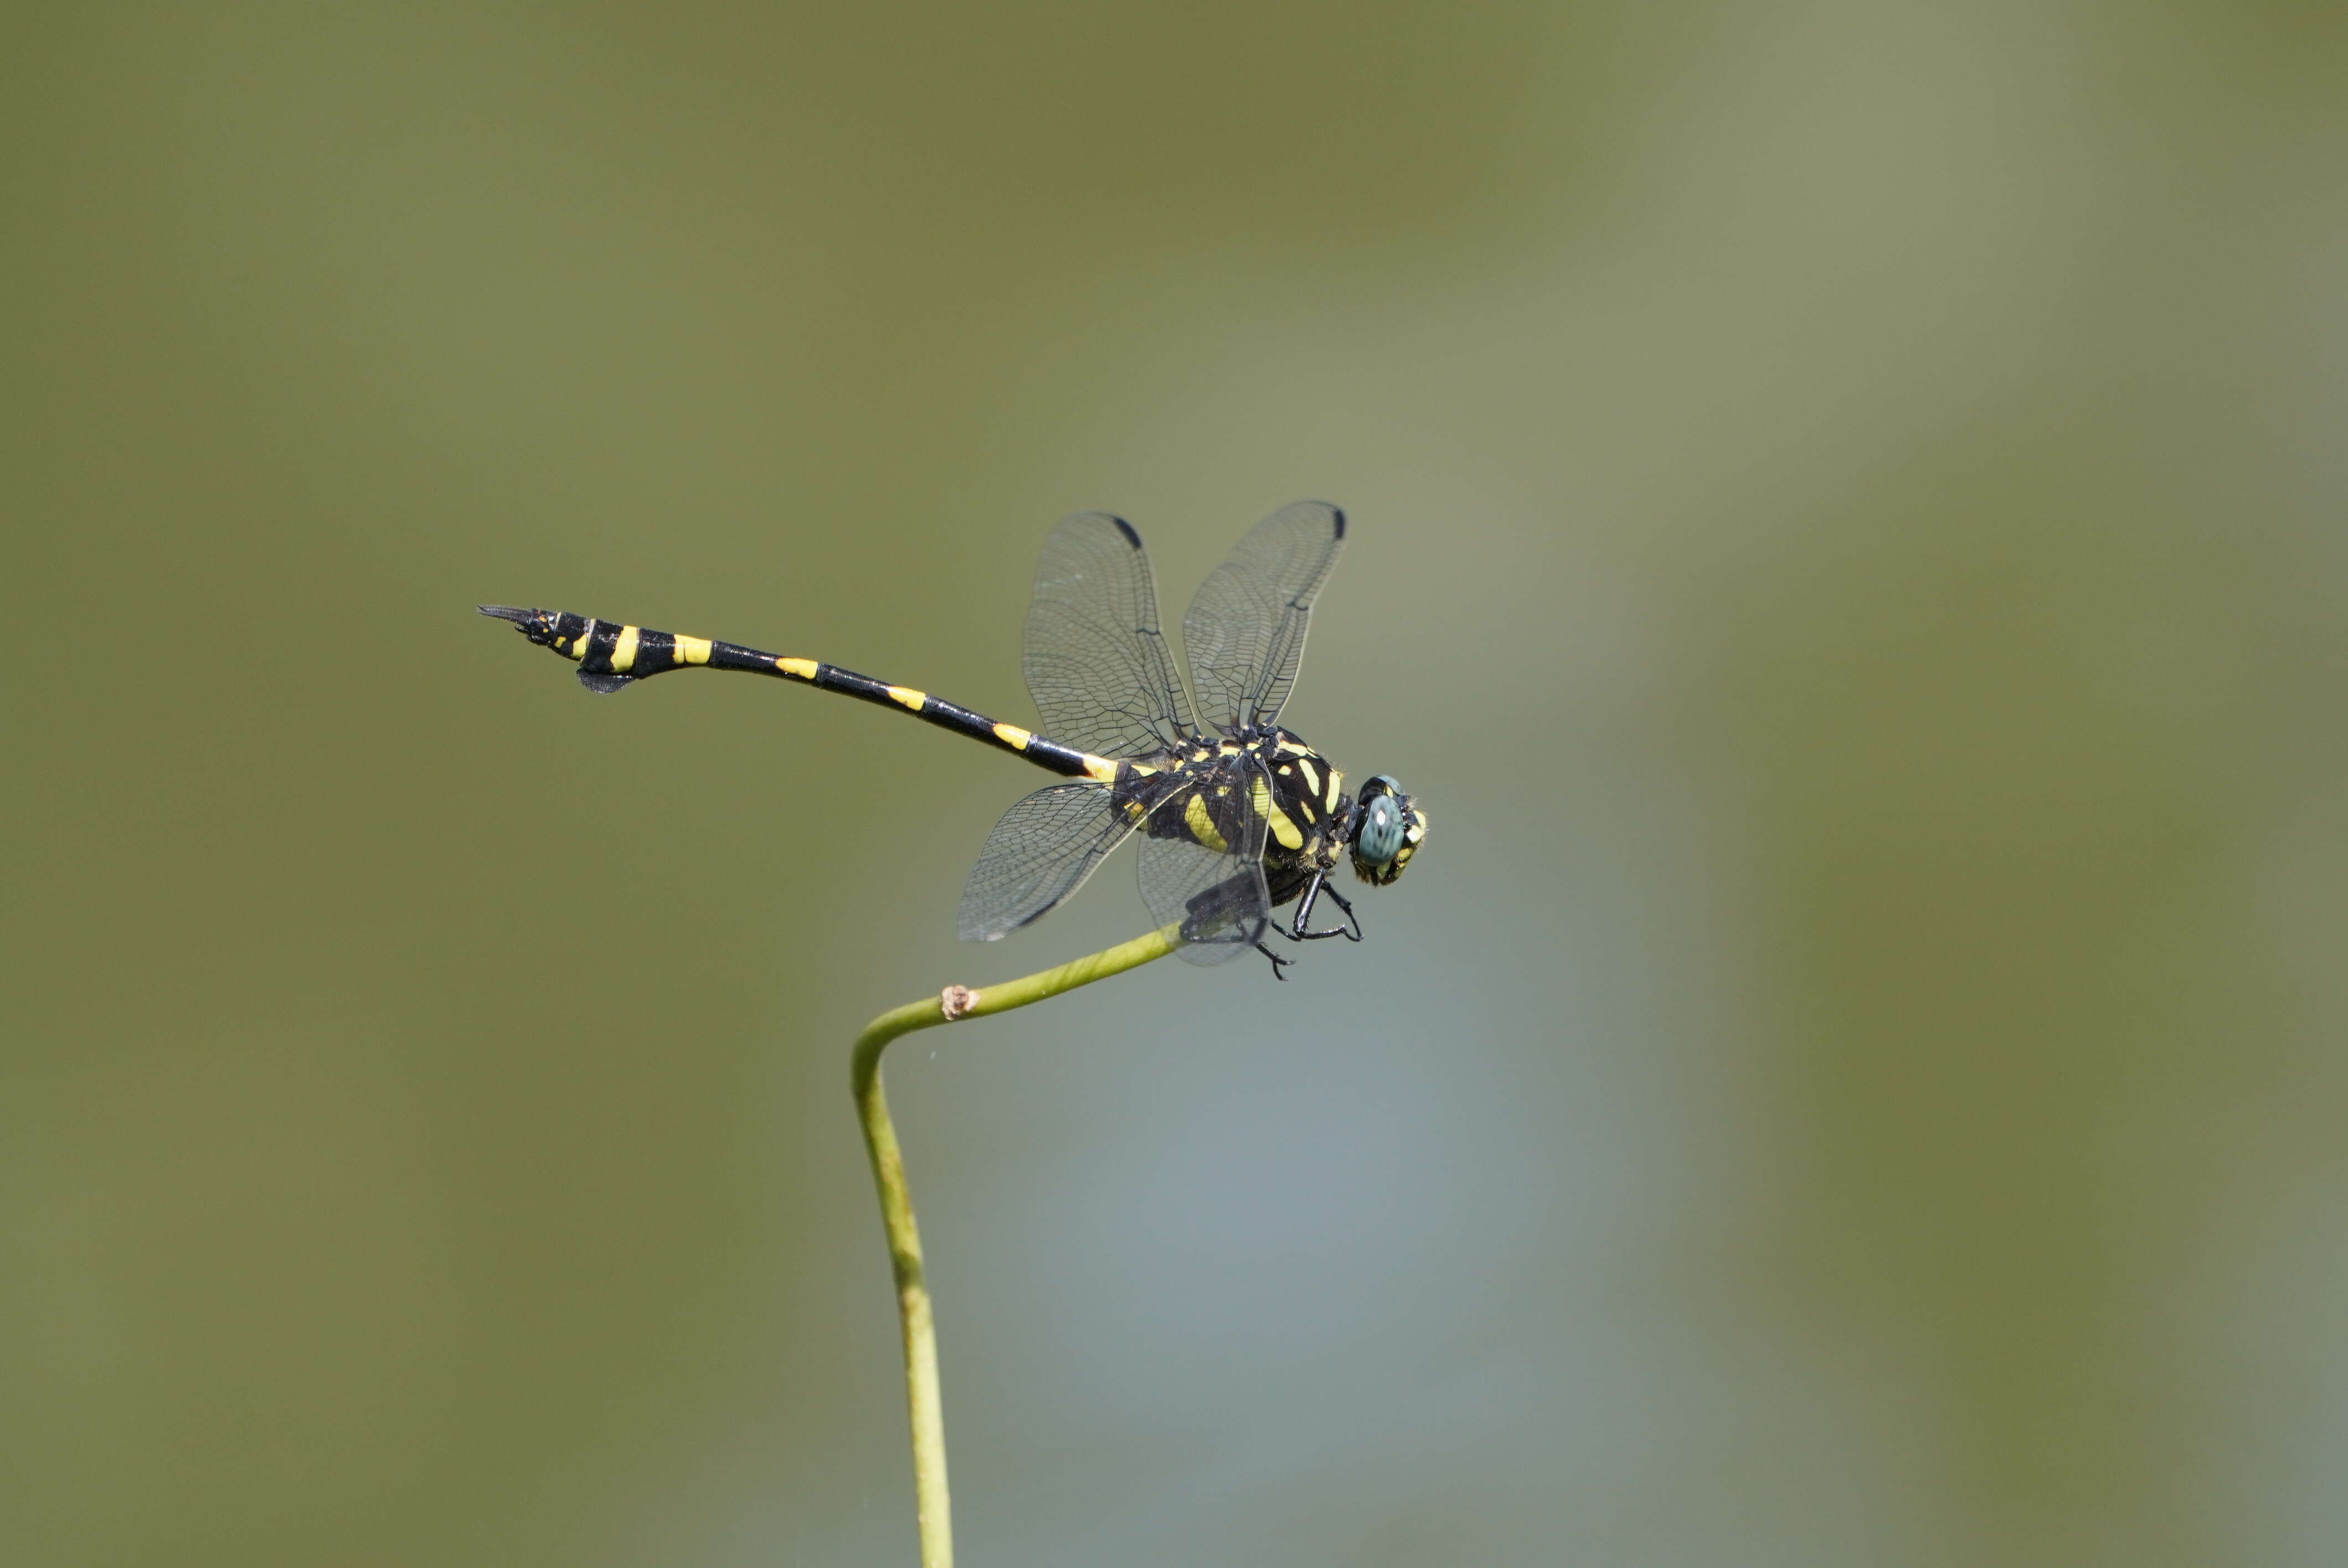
(1848,546)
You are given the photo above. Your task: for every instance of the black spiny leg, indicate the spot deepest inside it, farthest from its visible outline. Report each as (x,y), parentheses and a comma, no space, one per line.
(1353,921)
(1279,964)
(1351,930)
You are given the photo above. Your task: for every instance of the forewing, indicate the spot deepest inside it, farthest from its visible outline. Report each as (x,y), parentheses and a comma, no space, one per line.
(1208,876)
(1096,659)
(1039,853)
(1245,628)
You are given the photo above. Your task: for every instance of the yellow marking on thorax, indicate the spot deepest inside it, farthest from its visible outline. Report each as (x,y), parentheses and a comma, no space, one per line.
(1201,826)
(800,669)
(1014,737)
(1337,785)
(1101,770)
(623,651)
(692,650)
(1290,836)
(908,697)
(1312,775)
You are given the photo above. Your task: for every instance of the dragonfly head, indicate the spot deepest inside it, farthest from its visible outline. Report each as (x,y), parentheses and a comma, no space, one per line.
(1388,829)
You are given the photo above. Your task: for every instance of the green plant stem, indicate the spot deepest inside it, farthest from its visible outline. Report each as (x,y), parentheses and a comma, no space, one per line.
(955,1004)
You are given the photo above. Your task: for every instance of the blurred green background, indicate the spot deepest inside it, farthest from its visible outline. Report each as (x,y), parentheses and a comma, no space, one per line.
(1847,544)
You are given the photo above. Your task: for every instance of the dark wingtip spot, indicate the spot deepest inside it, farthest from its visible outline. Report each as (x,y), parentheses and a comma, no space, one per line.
(1337,522)
(1126,529)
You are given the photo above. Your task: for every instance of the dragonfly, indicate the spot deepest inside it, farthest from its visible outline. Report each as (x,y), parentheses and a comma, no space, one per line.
(1237,816)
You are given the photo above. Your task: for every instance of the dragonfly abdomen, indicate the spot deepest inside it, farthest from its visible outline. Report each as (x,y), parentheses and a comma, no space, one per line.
(612,655)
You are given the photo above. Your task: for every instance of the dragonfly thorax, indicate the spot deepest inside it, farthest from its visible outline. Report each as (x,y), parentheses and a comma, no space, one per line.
(1261,786)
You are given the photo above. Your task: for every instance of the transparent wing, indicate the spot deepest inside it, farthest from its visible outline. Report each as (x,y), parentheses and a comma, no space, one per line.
(1039,853)
(1095,660)
(1245,628)
(1202,863)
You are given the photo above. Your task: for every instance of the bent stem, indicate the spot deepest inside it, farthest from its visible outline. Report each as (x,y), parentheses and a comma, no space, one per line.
(955,1004)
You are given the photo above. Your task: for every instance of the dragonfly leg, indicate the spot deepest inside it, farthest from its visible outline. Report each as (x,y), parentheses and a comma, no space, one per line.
(1279,964)
(1351,930)
(1353,921)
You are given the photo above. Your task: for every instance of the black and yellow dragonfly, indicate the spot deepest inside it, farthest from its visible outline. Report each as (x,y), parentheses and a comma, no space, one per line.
(1237,816)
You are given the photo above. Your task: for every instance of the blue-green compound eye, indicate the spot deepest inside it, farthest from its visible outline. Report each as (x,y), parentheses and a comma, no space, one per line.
(1385,830)
(1381,838)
